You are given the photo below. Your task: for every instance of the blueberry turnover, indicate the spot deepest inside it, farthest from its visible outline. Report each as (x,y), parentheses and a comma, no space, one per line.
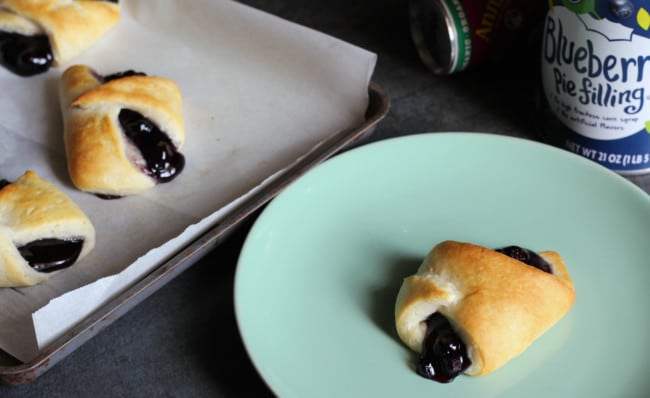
(42,231)
(38,34)
(122,131)
(470,309)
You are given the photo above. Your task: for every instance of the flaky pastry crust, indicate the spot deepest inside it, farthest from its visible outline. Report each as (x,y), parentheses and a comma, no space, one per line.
(71,26)
(100,158)
(496,304)
(31,209)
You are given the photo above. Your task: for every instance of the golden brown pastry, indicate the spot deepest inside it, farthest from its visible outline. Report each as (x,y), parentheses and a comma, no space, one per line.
(122,132)
(470,309)
(41,231)
(36,34)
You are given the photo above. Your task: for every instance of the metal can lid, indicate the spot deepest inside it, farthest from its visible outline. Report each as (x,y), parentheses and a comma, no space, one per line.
(441,34)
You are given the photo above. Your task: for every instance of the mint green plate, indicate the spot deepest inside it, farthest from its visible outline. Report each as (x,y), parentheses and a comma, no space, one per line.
(320,269)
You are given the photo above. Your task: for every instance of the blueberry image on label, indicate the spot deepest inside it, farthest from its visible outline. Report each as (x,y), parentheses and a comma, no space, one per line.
(621,9)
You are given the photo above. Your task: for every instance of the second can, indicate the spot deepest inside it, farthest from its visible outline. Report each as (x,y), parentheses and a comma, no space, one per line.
(451,35)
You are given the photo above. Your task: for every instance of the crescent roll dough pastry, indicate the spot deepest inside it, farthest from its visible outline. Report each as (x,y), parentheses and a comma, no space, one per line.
(122,131)
(495,304)
(51,32)
(41,231)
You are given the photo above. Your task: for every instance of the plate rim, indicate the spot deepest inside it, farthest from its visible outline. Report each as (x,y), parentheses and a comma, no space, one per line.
(594,167)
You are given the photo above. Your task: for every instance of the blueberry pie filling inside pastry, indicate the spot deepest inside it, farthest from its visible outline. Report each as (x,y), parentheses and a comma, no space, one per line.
(51,254)
(41,231)
(470,309)
(25,55)
(162,159)
(123,131)
(38,34)
(444,355)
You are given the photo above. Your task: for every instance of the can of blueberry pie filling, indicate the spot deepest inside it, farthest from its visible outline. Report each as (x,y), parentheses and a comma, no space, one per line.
(595,74)
(452,35)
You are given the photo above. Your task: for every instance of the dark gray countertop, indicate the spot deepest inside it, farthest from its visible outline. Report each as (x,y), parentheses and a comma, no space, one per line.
(183,340)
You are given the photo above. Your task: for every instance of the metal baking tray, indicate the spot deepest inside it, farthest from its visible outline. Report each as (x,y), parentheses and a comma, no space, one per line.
(14,372)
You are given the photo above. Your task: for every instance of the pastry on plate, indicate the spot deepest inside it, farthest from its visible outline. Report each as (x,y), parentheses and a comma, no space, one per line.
(42,231)
(123,132)
(471,309)
(38,34)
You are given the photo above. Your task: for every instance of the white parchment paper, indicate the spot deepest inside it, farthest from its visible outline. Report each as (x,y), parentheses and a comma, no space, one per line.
(259,92)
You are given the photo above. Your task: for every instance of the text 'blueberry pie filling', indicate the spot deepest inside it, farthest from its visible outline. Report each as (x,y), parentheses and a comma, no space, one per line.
(470,309)
(123,131)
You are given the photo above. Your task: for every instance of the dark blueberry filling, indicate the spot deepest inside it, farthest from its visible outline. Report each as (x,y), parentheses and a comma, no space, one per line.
(120,75)
(25,55)
(4,183)
(48,255)
(107,197)
(444,355)
(163,161)
(526,256)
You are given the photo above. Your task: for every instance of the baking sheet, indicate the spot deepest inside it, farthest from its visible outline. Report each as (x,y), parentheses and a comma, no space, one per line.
(15,373)
(259,92)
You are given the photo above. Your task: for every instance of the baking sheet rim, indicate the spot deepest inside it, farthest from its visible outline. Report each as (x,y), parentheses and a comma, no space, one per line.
(22,373)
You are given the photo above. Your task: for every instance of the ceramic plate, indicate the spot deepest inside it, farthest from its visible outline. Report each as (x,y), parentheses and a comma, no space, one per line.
(318,275)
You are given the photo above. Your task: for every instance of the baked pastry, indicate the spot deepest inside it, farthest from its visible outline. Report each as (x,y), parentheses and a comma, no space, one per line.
(122,132)
(41,231)
(38,34)
(470,309)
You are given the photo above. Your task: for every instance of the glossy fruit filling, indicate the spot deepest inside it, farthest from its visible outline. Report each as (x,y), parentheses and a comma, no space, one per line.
(48,255)
(163,161)
(527,257)
(444,355)
(25,55)
(119,75)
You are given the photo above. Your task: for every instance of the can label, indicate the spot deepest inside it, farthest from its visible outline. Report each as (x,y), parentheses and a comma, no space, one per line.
(475,31)
(596,76)
(501,26)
